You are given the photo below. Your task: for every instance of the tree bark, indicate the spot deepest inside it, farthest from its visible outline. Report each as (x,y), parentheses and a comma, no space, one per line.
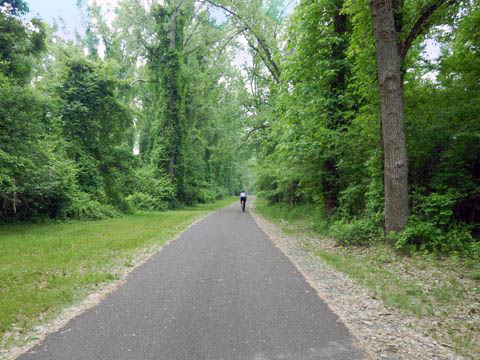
(392,115)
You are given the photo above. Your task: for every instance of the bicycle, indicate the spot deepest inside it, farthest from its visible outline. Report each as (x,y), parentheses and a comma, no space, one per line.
(243,206)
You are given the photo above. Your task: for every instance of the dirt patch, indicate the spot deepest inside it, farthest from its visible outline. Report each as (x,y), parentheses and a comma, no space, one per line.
(384,333)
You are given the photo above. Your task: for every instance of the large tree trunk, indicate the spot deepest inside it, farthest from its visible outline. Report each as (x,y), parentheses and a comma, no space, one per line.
(392,115)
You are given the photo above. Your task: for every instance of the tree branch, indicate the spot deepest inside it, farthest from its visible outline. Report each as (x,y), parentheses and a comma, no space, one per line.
(251,131)
(421,25)
(151,51)
(273,67)
(231,12)
(265,61)
(230,39)
(279,17)
(193,32)
(138,80)
(186,53)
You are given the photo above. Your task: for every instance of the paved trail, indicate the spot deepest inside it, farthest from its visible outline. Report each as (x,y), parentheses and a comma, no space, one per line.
(222,291)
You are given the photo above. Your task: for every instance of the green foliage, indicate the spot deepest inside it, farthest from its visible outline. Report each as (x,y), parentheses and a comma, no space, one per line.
(19,46)
(308,105)
(151,193)
(82,117)
(323,142)
(432,228)
(35,172)
(18,7)
(94,125)
(207,195)
(437,208)
(142,201)
(358,232)
(62,141)
(192,123)
(473,249)
(80,206)
(425,236)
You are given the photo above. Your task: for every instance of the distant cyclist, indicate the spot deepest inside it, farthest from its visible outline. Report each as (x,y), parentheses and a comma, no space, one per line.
(243,199)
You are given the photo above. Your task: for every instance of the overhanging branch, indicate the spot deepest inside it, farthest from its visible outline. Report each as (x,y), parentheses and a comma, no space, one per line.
(251,131)
(230,39)
(272,65)
(138,80)
(422,24)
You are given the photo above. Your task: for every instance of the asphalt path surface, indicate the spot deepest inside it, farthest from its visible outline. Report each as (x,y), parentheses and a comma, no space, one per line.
(220,291)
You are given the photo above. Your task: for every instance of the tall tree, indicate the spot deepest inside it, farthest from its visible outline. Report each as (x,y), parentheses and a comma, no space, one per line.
(338,119)
(94,124)
(392,47)
(392,115)
(166,66)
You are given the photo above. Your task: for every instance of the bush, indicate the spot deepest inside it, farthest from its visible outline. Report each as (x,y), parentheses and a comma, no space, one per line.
(205,195)
(437,208)
(151,190)
(142,201)
(221,192)
(83,207)
(210,194)
(417,235)
(362,231)
(473,254)
(422,235)
(431,227)
(473,250)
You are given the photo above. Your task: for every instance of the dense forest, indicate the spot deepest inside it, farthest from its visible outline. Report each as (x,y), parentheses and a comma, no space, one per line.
(153,122)
(338,104)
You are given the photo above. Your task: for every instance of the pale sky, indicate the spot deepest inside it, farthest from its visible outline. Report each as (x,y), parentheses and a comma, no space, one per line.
(52,10)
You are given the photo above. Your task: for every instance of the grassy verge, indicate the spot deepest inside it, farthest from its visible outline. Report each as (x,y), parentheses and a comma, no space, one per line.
(44,268)
(436,292)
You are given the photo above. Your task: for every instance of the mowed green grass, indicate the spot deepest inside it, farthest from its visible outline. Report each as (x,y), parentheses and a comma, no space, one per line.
(44,268)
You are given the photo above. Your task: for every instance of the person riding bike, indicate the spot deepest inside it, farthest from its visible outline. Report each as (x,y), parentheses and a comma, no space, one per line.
(243,199)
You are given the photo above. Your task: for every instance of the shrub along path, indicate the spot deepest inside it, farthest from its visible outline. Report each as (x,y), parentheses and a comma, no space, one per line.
(220,291)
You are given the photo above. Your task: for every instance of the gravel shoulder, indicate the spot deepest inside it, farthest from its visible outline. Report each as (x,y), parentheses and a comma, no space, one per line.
(385,333)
